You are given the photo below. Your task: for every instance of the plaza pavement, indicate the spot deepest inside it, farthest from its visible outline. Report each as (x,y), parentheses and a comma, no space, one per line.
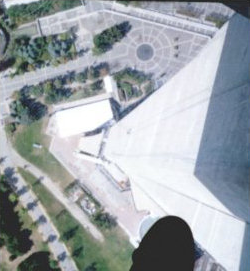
(175,42)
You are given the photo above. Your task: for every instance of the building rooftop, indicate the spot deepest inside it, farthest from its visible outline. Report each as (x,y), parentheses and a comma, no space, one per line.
(81,119)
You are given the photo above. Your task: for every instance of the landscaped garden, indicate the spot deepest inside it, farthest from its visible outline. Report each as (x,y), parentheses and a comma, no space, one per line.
(132,83)
(86,251)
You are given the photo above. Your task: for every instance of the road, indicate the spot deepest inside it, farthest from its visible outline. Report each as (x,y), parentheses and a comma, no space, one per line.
(35,209)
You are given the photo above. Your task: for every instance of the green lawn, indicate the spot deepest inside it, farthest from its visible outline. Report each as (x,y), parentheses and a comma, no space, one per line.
(112,255)
(23,141)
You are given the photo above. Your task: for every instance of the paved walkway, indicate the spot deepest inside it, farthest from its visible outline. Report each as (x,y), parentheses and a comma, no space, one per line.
(117,203)
(37,212)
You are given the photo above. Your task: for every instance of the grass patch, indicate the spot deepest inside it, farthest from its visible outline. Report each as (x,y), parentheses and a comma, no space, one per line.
(113,254)
(23,141)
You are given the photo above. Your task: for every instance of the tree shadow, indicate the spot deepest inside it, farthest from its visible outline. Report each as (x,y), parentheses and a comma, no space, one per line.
(41,220)
(62,256)
(32,205)
(2,159)
(9,173)
(51,238)
(22,191)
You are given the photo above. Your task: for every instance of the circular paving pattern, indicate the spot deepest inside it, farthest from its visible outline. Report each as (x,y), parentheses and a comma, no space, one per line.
(148,49)
(145,52)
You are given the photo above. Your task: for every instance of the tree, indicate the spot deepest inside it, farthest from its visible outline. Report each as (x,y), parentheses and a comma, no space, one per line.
(70,233)
(13,197)
(12,235)
(97,85)
(105,220)
(107,38)
(93,73)
(81,77)
(26,110)
(5,64)
(58,83)
(53,264)
(48,86)
(23,13)
(38,261)
(58,95)
(77,252)
(37,90)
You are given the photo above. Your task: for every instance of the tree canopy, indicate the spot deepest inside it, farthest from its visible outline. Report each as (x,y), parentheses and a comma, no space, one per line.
(38,261)
(107,38)
(30,54)
(16,239)
(24,13)
(25,110)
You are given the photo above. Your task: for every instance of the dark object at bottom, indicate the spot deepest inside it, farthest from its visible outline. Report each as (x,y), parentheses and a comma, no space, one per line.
(167,246)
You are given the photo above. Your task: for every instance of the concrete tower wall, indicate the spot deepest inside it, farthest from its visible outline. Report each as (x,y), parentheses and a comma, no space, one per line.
(186,148)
